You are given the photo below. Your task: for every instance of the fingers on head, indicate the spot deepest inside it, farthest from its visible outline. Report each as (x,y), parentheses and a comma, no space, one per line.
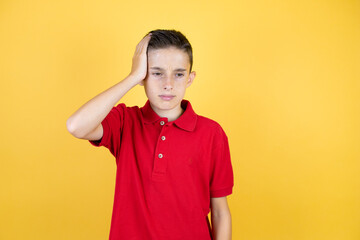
(143,43)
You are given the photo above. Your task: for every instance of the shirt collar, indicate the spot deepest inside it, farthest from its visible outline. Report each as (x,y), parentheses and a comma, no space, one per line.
(186,121)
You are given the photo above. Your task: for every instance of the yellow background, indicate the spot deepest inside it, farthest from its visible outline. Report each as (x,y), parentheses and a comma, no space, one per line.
(281,77)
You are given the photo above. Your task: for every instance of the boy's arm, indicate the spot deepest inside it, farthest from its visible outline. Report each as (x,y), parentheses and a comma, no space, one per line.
(85,123)
(220,219)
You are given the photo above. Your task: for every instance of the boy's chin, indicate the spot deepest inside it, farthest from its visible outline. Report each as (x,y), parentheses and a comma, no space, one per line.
(166,105)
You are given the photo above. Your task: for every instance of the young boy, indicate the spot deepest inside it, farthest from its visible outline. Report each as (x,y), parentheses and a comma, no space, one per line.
(173,165)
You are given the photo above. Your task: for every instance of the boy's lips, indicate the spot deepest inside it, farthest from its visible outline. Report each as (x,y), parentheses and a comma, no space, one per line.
(166,97)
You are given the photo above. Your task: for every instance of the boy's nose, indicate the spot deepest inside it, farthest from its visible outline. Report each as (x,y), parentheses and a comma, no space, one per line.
(168,84)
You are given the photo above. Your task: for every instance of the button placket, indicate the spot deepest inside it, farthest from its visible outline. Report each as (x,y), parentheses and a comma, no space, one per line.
(160,161)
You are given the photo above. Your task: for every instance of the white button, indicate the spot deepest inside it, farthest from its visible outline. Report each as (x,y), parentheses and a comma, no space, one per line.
(160,155)
(163,138)
(162,123)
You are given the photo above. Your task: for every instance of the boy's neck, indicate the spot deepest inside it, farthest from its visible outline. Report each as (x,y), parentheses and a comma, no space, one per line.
(171,115)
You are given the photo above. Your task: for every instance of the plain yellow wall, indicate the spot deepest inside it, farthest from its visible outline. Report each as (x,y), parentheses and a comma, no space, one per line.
(281,77)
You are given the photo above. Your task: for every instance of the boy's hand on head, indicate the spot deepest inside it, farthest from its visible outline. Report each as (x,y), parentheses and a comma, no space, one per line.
(139,60)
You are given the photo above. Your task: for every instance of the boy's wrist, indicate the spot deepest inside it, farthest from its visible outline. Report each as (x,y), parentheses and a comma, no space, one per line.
(134,80)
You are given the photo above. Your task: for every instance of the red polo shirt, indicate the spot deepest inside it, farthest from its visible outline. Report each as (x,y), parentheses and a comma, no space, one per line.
(166,172)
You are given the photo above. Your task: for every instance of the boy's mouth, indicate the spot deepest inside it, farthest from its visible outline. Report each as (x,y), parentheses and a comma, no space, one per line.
(166,97)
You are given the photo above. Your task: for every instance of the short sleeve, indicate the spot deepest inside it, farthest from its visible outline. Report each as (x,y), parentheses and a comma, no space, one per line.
(222,177)
(112,128)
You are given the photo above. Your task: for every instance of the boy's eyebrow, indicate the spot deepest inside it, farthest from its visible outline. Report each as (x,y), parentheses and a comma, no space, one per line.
(177,70)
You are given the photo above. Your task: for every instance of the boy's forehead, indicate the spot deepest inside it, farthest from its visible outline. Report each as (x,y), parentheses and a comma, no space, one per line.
(166,57)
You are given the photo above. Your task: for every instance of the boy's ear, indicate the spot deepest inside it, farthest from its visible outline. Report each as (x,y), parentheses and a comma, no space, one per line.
(192,75)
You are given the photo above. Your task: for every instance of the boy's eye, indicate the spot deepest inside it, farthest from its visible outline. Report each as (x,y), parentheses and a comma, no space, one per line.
(156,73)
(179,74)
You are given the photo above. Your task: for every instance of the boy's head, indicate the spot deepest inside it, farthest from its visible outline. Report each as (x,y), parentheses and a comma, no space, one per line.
(169,60)
(162,38)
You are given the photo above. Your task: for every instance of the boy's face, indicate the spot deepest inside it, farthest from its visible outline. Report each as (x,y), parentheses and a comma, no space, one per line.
(167,79)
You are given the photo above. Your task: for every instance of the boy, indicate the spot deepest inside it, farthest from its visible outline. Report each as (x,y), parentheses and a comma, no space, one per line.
(172,164)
